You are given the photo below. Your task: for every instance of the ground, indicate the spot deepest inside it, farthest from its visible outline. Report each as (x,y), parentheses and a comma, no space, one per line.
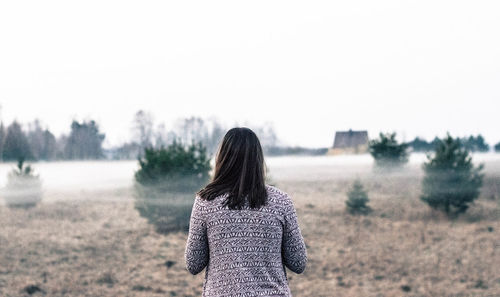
(98,245)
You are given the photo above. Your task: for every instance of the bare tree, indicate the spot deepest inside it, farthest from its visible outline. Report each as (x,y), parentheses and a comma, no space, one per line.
(191,130)
(217,131)
(163,137)
(266,134)
(36,138)
(142,129)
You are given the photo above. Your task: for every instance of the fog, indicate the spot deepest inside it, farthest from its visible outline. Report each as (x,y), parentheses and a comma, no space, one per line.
(71,180)
(79,179)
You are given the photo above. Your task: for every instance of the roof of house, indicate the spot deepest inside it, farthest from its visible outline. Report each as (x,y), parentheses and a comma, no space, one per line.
(347,139)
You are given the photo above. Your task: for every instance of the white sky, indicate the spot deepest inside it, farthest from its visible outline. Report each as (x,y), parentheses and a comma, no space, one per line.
(310,67)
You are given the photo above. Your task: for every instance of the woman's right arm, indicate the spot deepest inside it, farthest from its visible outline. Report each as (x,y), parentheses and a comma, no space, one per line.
(293,246)
(196,253)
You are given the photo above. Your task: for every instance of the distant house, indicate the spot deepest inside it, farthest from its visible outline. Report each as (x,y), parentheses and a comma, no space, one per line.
(349,142)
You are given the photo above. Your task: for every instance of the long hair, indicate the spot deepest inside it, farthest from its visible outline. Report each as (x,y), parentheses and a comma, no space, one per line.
(239,171)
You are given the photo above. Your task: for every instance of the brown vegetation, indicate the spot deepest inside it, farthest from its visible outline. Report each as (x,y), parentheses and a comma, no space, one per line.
(102,247)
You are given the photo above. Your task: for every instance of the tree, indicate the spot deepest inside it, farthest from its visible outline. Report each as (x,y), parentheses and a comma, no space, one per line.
(127,151)
(142,129)
(35,138)
(42,142)
(497,147)
(267,135)
(357,199)
(475,144)
(161,136)
(16,145)
(209,132)
(481,145)
(193,129)
(451,181)
(387,152)
(84,141)
(420,145)
(49,147)
(61,142)
(217,132)
(2,139)
(435,142)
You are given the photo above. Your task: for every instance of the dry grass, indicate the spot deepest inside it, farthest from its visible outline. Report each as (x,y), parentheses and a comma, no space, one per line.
(102,247)
(401,249)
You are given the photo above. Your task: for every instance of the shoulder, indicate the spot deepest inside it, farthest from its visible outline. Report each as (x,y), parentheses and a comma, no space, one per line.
(208,206)
(275,190)
(281,198)
(200,204)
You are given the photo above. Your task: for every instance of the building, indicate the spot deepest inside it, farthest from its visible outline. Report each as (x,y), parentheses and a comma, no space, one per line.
(349,142)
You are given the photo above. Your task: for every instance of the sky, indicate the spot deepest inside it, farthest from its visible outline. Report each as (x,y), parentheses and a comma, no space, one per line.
(418,68)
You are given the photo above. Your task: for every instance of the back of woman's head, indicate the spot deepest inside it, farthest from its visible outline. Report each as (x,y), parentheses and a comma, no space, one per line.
(239,171)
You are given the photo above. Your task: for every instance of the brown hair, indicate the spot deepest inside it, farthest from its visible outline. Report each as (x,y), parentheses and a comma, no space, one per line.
(239,171)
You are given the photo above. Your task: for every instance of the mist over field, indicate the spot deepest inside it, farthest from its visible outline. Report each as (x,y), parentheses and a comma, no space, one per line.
(77,176)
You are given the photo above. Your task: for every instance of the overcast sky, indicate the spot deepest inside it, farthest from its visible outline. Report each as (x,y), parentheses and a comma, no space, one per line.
(309,67)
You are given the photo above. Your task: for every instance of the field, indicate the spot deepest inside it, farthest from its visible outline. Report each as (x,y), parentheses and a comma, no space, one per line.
(91,241)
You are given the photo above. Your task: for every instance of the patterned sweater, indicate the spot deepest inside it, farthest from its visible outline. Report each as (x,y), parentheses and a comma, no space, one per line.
(245,251)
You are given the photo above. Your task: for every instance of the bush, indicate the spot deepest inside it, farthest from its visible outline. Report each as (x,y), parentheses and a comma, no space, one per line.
(166,184)
(451,182)
(387,152)
(24,187)
(357,199)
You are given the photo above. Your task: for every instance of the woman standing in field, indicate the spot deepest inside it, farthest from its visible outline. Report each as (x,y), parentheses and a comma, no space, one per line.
(243,231)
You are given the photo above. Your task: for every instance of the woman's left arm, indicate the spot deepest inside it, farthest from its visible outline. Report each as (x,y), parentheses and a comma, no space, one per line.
(196,253)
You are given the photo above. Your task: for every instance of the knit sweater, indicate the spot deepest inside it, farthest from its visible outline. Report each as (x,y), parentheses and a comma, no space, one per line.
(245,251)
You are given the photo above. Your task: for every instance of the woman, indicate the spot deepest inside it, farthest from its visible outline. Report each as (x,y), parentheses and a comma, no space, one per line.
(243,231)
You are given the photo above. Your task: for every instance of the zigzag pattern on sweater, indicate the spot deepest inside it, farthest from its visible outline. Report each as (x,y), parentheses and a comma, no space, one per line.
(245,251)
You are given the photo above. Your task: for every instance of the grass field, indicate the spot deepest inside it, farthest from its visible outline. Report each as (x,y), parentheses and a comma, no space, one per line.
(96,244)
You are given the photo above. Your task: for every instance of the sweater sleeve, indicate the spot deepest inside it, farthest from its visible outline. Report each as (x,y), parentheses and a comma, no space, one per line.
(293,246)
(196,253)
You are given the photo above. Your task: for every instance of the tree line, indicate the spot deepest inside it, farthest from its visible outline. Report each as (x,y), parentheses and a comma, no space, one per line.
(471,143)
(37,143)
(389,153)
(146,133)
(85,139)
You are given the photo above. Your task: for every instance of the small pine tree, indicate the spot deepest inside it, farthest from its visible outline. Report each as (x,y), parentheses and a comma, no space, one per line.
(357,199)
(387,152)
(166,183)
(24,187)
(451,181)
(175,168)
